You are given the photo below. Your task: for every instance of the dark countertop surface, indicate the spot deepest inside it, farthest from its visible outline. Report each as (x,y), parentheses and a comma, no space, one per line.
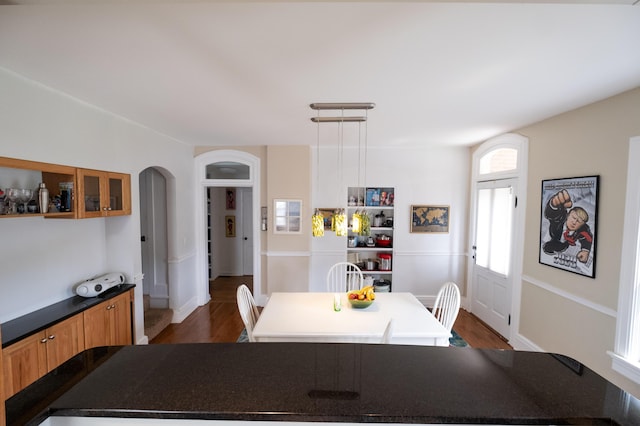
(325,383)
(21,327)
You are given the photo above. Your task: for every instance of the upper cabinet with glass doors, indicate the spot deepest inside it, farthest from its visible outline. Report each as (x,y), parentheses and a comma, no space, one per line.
(103,193)
(74,193)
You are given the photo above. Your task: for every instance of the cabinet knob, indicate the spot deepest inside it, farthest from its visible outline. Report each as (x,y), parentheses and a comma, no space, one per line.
(109,307)
(43,340)
(53,336)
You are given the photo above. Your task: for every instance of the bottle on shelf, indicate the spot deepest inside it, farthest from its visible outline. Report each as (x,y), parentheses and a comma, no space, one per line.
(43,198)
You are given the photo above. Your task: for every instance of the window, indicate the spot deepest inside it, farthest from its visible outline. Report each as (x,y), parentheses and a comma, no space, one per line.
(287,216)
(493,229)
(499,160)
(626,357)
(227,170)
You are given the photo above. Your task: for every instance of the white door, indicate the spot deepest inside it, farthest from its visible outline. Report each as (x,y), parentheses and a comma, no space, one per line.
(247,231)
(492,277)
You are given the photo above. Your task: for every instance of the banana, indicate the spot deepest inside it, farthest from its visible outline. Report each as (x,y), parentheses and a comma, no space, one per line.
(366,291)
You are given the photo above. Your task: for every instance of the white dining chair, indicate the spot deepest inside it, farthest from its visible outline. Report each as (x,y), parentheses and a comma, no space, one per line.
(343,277)
(447,305)
(248,309)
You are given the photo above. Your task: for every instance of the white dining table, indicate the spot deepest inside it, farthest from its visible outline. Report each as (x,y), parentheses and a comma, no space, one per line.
(310,317)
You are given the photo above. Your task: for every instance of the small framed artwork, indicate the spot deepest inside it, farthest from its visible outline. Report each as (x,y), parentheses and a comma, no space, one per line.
(568,219)
(230,226)
(230,198)
(327,215)
(287,217)
(430,219)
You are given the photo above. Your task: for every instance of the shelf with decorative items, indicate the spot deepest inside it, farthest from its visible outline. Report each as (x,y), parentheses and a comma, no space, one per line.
(370,239)
(61,191)
(31,188)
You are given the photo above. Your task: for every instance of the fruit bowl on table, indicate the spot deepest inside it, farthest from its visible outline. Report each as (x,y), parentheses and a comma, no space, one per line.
(360,304)
(361,298)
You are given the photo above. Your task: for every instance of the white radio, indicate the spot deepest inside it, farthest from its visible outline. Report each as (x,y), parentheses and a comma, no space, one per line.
(94,286)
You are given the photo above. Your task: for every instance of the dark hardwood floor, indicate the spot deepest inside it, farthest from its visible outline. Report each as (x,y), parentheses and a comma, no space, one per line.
(219,321)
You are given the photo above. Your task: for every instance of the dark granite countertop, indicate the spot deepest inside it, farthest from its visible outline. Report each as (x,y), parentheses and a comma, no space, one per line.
(21,327)
(326,383)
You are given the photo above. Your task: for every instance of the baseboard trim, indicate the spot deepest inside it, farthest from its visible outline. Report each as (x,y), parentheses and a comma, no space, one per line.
(184,311)
(521,343)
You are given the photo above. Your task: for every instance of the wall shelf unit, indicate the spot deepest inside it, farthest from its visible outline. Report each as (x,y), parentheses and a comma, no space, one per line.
(372,250)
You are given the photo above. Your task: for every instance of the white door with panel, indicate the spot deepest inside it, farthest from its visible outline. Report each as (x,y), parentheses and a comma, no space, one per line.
(492,277)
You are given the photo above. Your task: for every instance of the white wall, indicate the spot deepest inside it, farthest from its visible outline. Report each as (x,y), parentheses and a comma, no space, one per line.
(579,312)
(420,175)
(42,259)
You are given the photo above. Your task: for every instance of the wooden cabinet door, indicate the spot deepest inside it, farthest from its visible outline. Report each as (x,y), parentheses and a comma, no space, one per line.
(97,326)
(2,396)
(64,340)
(91,193)
(118,194)
(109,323)
(121,320)
(103,193)
(24,362)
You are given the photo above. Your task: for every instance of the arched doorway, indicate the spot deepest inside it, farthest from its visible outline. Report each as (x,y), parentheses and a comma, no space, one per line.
(228,169)
(157,225)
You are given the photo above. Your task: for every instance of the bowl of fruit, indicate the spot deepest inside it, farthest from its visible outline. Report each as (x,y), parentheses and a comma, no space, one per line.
(362,298)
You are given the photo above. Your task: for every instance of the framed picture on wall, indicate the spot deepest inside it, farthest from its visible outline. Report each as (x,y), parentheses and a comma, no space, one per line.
(230,197)
(229,226)
(568,220)
(430,219)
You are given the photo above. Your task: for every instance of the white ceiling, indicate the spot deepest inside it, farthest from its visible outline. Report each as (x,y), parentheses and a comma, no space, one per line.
(245,72)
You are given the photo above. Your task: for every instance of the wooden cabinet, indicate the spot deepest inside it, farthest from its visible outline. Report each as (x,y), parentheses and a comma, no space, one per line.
(109,323)
(103,193)
(3,416)
(32,357)
(94,193)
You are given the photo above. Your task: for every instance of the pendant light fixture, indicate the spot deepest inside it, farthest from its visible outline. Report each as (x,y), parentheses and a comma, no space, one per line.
(317,220)
(339,220)
(356,218)
(341,217)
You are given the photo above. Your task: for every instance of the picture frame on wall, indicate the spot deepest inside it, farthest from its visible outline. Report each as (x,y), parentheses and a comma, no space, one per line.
(229,226)
(430,219)
(230,198)
(568,224)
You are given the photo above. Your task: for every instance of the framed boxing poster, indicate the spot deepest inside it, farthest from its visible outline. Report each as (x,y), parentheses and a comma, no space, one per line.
(568,224)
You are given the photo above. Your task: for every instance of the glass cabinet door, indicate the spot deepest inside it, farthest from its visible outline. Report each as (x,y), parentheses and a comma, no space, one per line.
(118,194)
(103,193)
(91,193)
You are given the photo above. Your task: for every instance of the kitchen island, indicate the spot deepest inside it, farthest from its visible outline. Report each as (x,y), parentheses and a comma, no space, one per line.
(314,382)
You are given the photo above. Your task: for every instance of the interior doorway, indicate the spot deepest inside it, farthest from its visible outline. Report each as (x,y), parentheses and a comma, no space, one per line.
(227,169)
(229,231)
(154,238)
(155,222)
